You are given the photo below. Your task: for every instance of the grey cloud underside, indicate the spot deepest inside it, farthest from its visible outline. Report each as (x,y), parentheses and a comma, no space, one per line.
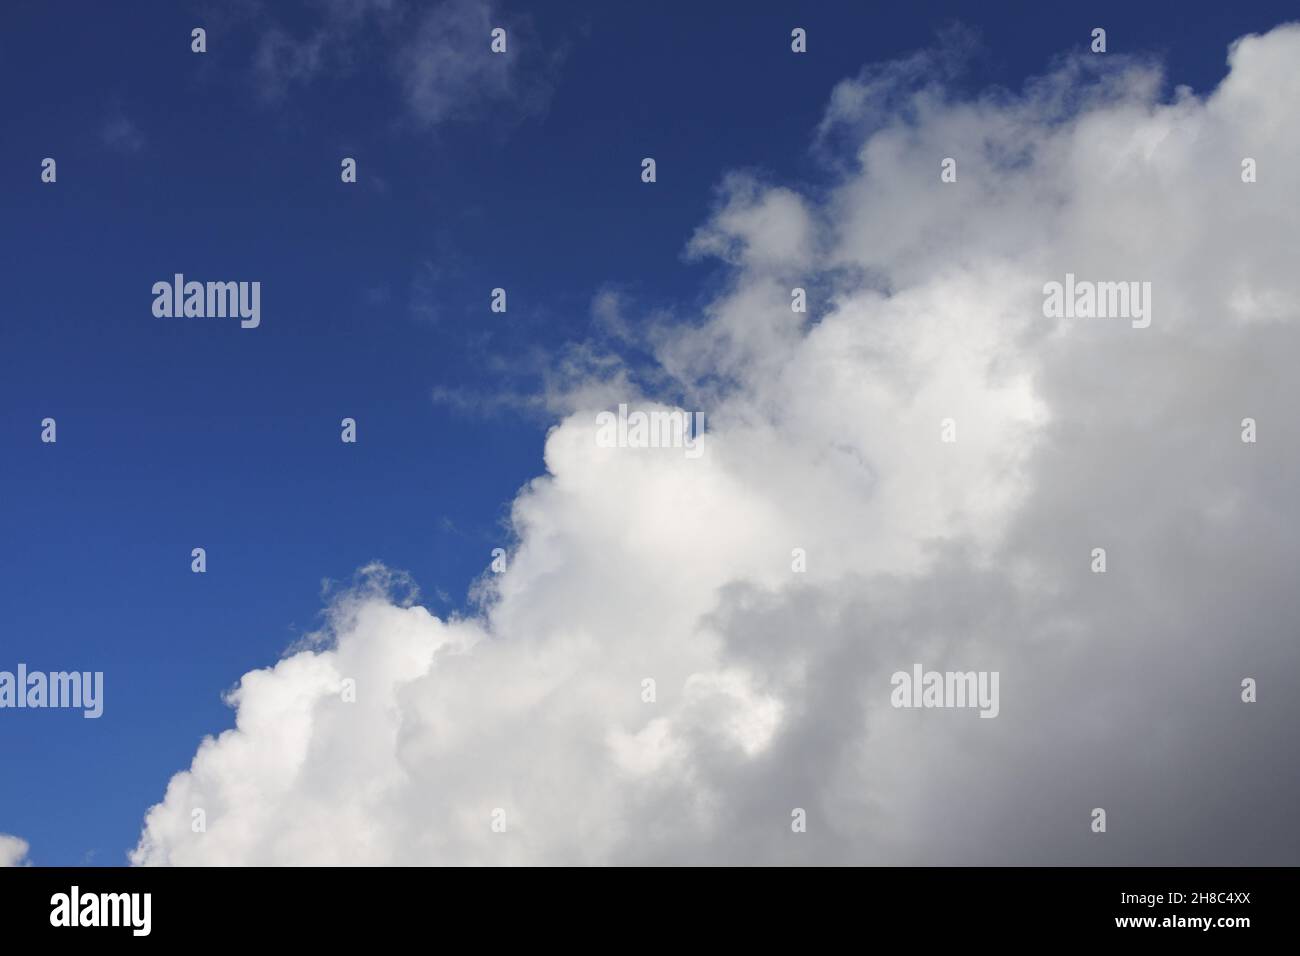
(1118,690)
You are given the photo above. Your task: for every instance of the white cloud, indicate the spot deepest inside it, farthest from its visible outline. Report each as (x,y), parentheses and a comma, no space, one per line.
(1118,690)
(765,228)
(13,851)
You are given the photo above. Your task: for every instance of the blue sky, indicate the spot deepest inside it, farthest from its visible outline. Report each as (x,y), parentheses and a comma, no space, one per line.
(177,434)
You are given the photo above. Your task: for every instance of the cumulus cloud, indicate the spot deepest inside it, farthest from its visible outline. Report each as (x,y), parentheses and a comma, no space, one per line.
(772,687)
(13,851)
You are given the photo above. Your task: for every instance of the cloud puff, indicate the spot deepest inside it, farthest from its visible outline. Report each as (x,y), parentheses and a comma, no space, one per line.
(772,687)
(13,851)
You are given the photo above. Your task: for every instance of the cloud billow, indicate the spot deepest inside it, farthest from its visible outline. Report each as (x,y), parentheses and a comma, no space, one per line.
(1119,690)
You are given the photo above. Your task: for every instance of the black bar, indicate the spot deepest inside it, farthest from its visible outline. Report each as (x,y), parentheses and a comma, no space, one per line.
(333,906)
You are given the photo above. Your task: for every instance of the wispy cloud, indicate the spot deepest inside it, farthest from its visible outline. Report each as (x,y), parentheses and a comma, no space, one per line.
(436,57)
(120,134)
